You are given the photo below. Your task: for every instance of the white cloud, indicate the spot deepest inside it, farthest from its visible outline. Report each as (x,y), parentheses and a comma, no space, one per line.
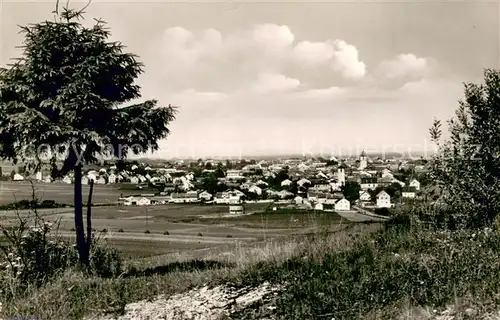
(321,94)
(271,82)
(271,35)
(347,60)
(211,61)
(313,53)
(404,66)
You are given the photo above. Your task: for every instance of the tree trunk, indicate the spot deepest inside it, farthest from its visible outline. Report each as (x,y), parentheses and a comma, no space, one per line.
(89,219)
(78,203)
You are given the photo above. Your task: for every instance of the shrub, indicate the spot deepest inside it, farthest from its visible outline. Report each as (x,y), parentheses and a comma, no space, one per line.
(105,262)
(120,230)
(34,256)
(200,234)
(147,231)
(166,233)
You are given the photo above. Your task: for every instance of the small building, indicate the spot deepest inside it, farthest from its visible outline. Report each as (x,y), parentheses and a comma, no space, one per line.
(137,201)
(206,196)
(38,176)
(134,180)
(369,183)
(143,201)
(66,180)
(186,197)
(408,192)
(255,189)
(85,180)
(236,209)
(298,200)
(100,180)
(319,207)
(383,200)
(18,177)
(286,183)
(415,184)
(112,178)
(364,196)
(342,205)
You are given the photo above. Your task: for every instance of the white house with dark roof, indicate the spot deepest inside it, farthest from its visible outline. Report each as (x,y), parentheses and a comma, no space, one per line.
(286,183)
(364,196)
(415,184)
(342,205)
(383,200)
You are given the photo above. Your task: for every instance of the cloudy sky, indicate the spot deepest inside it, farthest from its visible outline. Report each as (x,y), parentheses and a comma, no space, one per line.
(259,78)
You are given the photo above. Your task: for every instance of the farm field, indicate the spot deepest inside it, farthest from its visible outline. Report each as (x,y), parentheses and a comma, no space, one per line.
(11,191)
(187,228)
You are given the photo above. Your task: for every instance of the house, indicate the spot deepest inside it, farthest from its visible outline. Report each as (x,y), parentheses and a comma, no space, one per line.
(415,184)
(234,174)
(322,187)
(328,199)
(18,177)
(319,207)
(100,180)
(134,180)
(385,181)
(47,179)
(369,183)
(286,183)
(303,182)
(206,196)
(186,197)
(401,183)
(38,176)
(238,210)
(232,197)
(85,180)
(387,173)
(283,194)
(245,186)
(134,167)
(261,183)
(66,180)
(137,201)
(298,200)
(129,201)
(143,201)
(235,197)
(112,178)
(255,189)
(383,200)
(408,192)
(365,196)
(342,205)
(92,175)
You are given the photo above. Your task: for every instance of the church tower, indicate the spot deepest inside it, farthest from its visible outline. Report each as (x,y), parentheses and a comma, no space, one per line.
(363,161)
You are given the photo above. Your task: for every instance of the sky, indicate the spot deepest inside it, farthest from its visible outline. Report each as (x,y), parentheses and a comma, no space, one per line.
(293,77)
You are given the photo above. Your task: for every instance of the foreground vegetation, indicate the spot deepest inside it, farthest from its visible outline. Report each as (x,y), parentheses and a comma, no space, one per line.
(366,271)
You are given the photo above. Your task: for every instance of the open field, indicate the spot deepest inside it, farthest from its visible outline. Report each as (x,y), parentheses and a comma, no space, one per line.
(183,228)
(11,191)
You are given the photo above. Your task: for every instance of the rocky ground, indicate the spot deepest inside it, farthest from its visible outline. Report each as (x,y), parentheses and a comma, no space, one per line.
(198,304)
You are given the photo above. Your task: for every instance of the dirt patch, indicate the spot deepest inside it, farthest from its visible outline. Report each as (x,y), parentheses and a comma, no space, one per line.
(198,304)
